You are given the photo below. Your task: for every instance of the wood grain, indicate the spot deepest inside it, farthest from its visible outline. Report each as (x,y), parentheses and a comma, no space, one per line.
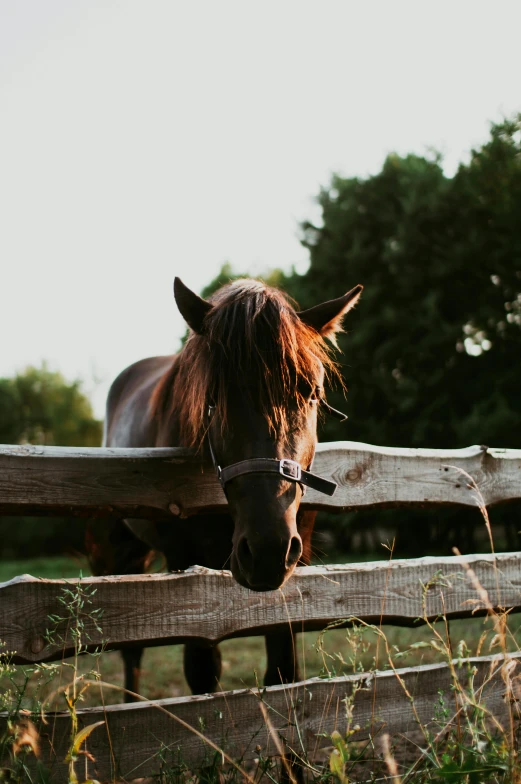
(209,605)
(301,713)
(159,483)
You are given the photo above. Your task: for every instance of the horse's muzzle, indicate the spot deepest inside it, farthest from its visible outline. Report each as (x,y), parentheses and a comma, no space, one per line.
(267,565)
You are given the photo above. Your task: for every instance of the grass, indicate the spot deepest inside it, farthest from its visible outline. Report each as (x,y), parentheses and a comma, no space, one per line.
(50,568)
(462,743)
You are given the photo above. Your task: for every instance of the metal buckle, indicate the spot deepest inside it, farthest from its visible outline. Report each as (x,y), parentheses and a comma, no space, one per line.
(290,469)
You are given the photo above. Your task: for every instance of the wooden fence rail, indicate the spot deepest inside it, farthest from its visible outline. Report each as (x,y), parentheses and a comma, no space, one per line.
(159,483)
(209,605)
(137,737)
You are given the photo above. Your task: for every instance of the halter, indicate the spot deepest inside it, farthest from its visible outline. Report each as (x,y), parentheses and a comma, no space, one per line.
(289,469)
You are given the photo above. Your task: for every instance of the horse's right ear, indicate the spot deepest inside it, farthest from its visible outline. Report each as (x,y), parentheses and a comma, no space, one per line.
(192,307)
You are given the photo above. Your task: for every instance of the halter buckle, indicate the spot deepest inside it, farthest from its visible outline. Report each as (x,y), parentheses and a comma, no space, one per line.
(290,469)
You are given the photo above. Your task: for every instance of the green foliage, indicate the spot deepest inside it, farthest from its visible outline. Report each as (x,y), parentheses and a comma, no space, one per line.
(38,406)
(440,259)
(25,707)
(432,354)
(274,277)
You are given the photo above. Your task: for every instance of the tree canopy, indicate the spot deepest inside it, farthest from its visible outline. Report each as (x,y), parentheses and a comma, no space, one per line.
(432,354)
(38,406)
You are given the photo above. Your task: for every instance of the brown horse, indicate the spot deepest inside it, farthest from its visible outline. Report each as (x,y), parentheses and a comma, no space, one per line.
(245,388)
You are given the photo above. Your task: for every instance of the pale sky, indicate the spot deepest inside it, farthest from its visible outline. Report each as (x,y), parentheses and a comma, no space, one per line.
(140,140)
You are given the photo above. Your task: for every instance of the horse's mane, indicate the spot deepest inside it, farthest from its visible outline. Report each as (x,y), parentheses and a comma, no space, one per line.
(253,339)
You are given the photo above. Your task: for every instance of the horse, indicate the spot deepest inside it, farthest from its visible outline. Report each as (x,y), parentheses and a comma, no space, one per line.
(245,390)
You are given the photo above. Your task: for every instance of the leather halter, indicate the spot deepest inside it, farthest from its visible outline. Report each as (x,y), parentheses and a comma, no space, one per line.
(288,469)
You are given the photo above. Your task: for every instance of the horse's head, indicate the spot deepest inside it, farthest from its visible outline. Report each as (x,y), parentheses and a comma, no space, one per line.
(250,380)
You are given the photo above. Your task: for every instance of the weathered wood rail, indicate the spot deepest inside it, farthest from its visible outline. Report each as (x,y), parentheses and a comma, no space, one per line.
(208,605)
(159,483)
(203,604)
(303,713)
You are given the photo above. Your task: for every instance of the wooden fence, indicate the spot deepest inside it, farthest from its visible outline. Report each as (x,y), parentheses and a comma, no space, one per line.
(208,605)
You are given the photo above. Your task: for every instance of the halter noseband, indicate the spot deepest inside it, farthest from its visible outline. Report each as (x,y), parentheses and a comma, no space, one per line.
(289,469)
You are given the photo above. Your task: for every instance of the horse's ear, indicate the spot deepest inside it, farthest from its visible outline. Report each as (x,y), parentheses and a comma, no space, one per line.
(327,317)
(192,307)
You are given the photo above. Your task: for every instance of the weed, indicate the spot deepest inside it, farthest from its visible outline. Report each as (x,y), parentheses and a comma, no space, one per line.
(21,739)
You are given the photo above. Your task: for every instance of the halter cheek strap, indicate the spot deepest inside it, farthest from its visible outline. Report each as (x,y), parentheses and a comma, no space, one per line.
(288,469)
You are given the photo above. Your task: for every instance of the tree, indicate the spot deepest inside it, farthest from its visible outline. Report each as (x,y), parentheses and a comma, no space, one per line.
(441,262)
(38,406)
(274,277)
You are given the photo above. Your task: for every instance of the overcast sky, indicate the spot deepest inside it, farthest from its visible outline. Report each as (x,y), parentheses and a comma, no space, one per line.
(142,140)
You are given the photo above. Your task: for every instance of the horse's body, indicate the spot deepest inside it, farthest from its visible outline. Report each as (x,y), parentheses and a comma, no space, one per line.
(259,364)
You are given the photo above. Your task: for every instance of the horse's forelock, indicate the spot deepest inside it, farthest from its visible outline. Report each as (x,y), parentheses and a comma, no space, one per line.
(253,339)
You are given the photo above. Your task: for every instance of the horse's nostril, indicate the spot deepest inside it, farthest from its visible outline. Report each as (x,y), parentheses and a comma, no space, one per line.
(294,551)
(244,554)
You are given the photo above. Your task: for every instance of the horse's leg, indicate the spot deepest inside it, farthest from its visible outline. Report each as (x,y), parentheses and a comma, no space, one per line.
(282,667)
(282,659)
(112,548)
(195,542)
(281,646)
(282,652)
(132,670)
(202,666)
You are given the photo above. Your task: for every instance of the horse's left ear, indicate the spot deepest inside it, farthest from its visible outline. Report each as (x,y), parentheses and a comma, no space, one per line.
(192,307)
(327,317)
